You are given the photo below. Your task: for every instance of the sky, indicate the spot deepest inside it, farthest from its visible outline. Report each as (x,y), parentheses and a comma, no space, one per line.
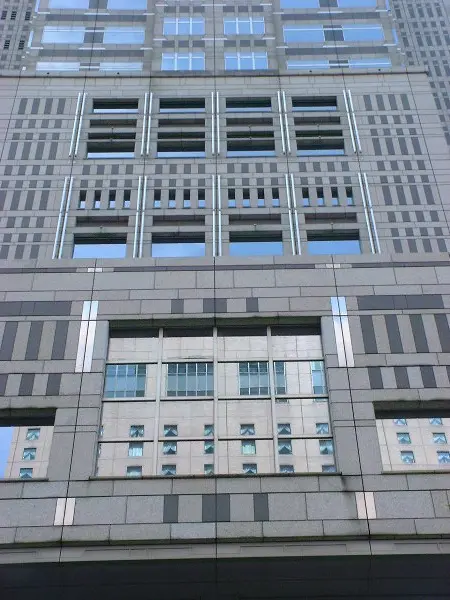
(6,434)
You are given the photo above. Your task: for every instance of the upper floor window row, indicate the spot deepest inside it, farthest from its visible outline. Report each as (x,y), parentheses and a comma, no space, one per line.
(244,26)
(81,35)
(344,33)
(111,4)
(328,3)
(184,26)
(195,61)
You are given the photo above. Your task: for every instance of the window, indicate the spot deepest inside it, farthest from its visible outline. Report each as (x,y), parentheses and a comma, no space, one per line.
(322,428)
(115,105)
(434,421)
(250,468)
(247,429)
(407,457)
(314,103)
(320,142)
(112,199)
(33,434)
(97,200)
(243,26)
(136,431)
(169,470)
(328,468)
(248,104)
(125,381)
(284,446)
(326,447)
(170,447)
(208,430)
(135,449)
(208,469)
(286,469)
(280,377)
(333,243)
(318,377)
(439,438)
(57,66)
(400,422)
(248,447)
(253,378)
(123,35)
(82,200)
(361,33)
(177,61)
(134,471)
(29,454)
(127,4)
(284,429)
(208,447)
(181,138)
(127,199)
(68,4)
(303,34)
(190,379)
(241,61)
(403,438)
(182,247)
(443,458)
(63,35)
(242,244)
(181,105)
(25,473)
(102,248)
(318,33)
(184,26)
(251,141)
(170,430)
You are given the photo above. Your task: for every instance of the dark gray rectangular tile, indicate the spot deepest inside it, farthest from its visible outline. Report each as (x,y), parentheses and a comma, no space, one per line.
(8,340)
(375,378)
(401,378)
(428,378)
(443,330)
(261,507)
(26,384)
(170,513)
(177,306)
(368,335)
(3,382)
(215,507)
(418,331)
(60,340)
(53,384)
(34,340)
(252,304)
(393,331)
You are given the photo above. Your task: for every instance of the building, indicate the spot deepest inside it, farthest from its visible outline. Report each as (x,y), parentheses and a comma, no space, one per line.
(224,298)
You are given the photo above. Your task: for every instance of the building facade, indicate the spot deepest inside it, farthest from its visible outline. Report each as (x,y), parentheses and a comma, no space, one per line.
(224,332)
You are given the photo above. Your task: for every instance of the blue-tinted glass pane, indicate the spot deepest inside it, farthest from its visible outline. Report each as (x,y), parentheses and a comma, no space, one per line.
(127,4)
(299,4)
(303,34)
(357,3)
(123,35)
(354,33)
(99,250)
(63,35)
(178,249)
(337,246)
(261,248)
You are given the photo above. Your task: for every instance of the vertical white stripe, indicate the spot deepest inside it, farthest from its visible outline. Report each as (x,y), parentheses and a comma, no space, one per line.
(144,122)
(213,124)
(59,512)
(360,505)
(217,123)
(280,116)
(350,125)
(81,346)
(80,120)
(60,217)
(370,505)
(66,215)
(70,511)
(149,123)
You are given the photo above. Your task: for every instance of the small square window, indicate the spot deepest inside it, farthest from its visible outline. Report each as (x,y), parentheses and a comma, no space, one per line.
(135,449)
(400,422)
(403,438)
(435,421)
(286,468)
(250,468)
(26,473)
(284,446)
(33,434)
(248,447)
(322,428)
(439,438)
(208,447)
(136,431)
(407,457)
(169,470)
(208,469)
(443,458)
(171,430)
(284,429)
(170,448)
(134,471)
(247,429)
(208,430)
(328,468)
(326,447)
(29,454)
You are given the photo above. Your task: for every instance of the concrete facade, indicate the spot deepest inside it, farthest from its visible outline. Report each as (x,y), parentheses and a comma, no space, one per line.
(378,525)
